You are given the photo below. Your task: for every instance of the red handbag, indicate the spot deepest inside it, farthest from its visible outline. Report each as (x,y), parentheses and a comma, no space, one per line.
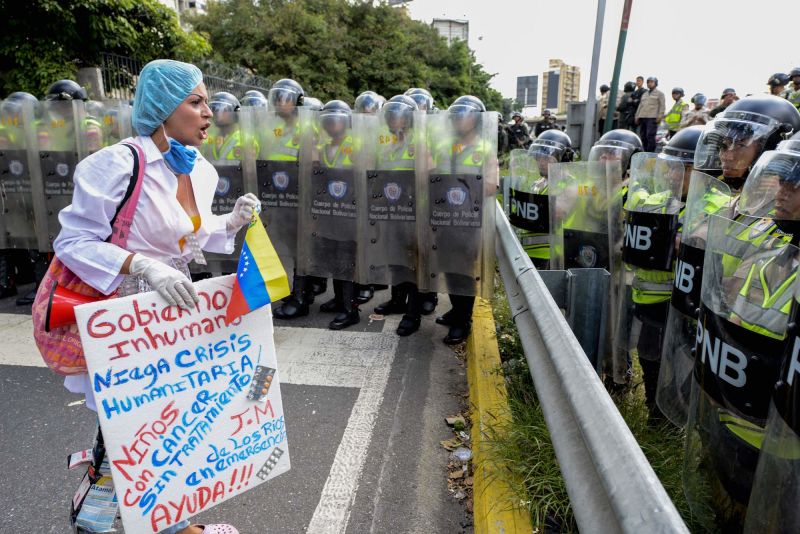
(61,347)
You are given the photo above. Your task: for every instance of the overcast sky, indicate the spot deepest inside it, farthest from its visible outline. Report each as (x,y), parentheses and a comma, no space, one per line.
(700,45)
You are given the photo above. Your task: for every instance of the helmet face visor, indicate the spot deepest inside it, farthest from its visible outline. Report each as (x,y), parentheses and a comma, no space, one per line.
(543,148)
(398,115)
(254,101)
(612,150)
(334,122)
(282,96)
(772,188)
(732,142)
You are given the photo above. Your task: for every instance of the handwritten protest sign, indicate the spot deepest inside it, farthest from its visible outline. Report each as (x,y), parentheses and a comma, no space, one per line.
(185,423)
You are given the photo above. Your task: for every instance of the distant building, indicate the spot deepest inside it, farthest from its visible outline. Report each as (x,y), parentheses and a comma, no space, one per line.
(561,85)
(528,90)
(452,29)
(191,7)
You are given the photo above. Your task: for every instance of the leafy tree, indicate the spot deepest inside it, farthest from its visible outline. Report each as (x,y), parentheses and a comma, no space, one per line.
(338,48)
(50,39)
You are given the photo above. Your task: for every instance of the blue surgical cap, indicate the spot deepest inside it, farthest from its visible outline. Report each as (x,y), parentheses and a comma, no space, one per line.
(163,84)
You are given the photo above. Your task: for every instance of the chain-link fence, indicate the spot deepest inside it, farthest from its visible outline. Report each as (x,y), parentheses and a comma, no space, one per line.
(120,74)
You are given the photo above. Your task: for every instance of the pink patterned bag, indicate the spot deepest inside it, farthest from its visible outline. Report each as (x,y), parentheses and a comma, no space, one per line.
(61,347)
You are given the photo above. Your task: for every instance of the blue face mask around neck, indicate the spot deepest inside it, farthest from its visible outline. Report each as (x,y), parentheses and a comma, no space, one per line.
(179,158)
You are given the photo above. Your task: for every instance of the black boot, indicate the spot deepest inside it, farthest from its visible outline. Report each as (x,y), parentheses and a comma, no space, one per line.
(408,325)
(334,305)
(293,307)
(396,304)
(343,320)
(7,286)
(319,285)
(297,304)
(457,334)
(429,302)
(364,294)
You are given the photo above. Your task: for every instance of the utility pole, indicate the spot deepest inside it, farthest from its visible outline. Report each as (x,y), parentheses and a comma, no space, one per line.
(588,120)
(623,34)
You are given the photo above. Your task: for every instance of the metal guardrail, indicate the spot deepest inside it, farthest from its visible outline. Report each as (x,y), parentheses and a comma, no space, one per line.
(611,485)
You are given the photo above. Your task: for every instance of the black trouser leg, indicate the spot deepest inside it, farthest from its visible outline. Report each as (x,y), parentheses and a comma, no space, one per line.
(345,292)
(7,285)
(462,309)
(413,300)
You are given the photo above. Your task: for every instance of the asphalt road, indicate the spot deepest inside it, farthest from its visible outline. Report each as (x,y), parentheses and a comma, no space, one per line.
(364,414)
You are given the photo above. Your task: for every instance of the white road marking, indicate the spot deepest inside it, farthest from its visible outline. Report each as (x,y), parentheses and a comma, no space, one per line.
(339,492)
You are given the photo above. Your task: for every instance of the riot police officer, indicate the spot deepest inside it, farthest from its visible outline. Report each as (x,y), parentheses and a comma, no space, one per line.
(744,308)
(368,102)
(397,248)
(617,145)
(425,103)
(254,98)
(530,195)
(777,84)
(519,134)
(225,138)
(466,153)
(14,262)
(793,91)
(284,97)
(332,245)
(655,195)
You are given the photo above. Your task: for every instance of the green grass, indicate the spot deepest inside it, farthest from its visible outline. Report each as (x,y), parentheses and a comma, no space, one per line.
(525,451)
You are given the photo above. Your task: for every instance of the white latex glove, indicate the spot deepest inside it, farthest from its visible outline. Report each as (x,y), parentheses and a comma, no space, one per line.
(242,212)
(170,283)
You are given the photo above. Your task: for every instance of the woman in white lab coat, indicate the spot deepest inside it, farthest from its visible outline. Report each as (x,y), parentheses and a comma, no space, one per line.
(173,218)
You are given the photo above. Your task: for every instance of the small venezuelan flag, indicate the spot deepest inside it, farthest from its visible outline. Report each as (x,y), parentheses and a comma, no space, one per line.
(260,277)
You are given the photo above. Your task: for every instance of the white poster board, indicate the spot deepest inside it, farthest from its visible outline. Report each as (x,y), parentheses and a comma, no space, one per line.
(172,389)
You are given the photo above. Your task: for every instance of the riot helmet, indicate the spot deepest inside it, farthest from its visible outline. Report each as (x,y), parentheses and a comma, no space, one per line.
(465,114)
(95,110)
(652,79)
(616,145)
(794,72)
(422,97)
(604,89)
(629,87)
(700,99)
(772,188)
(516,115)
(12,105)
(66,90)
(368,102)
(778,79)
(678,90)
(552,146)
(224,107)
(284,97)
(335,118)
(398,113)
(734,140)
(254,98)
(683,144)
(314,104)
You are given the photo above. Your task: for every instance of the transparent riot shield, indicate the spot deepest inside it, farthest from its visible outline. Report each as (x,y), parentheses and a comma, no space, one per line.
(648,249)
(277,170)
(116,122)
(706,195)
(774,499)
(740,340)
(17,155)
(328,226)
(392,163)
(458,254)
(529,207)
(225,149)
(62,145)
(585,214)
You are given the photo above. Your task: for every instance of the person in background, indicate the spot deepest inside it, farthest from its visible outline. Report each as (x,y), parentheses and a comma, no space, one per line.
(650,113)
(793,91)
(519,136)
(728,97)
(678,112)
(697,116)
(627,107)
(639,91)
(777,84)
(548,122)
